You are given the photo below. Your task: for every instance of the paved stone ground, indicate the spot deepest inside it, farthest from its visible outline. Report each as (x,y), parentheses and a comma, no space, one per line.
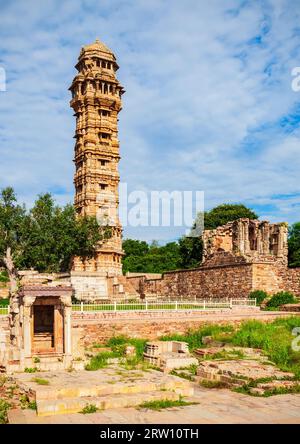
(215,407)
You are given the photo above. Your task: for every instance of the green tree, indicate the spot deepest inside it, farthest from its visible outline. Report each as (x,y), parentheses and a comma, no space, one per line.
(45,238)
(191,251)
(224,213)
(294,245)
(14,224)
(142,258)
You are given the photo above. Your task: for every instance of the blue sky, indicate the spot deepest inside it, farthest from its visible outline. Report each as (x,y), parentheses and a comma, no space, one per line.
(208,104)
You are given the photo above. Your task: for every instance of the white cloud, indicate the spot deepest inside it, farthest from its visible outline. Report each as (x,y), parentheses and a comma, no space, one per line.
(203,97)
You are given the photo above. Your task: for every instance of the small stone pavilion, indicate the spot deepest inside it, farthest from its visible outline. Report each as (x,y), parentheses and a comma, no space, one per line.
(40,328)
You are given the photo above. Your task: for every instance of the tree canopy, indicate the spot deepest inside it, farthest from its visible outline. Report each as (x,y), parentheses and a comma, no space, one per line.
(222,214)
(294,245)
(46,237)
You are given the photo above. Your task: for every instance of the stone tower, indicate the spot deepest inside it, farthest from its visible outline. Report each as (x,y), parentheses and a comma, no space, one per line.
(96,101)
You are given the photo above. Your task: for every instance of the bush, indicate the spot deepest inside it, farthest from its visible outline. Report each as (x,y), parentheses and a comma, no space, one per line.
(259,295)
(281,298)
(4,276)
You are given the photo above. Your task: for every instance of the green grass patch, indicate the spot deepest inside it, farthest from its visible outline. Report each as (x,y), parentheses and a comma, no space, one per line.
(89,408)
(118,344)
(194,337)
(274,338)
(4,407)
(165,404)
(31,370)
(213,384)
(41,381)
(101,360)
(26,404)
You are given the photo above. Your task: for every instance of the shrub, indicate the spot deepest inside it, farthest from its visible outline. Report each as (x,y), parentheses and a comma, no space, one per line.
(89,408)
(4,276)
(259,295)
(281,298)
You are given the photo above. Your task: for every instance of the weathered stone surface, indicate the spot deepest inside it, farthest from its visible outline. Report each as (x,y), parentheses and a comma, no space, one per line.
(96,100)
(111,387)
(237,372)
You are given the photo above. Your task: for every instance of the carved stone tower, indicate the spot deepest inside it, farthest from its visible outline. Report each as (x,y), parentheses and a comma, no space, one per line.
(96,100)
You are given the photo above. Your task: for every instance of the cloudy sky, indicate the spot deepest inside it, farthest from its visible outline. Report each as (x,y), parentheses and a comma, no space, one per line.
(208,105)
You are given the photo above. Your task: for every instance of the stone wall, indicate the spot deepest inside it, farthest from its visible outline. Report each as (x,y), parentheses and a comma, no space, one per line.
(92,328)
(223,281)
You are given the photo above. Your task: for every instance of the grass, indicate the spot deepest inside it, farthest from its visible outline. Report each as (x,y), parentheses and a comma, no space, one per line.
(26,404)
(89,408)
(165,404)
(246,388)
(213,384)
(101,360)
(117,344)
(188,373)
(194,337)
(41,381)
(4,407)
(274,338)
(31,369)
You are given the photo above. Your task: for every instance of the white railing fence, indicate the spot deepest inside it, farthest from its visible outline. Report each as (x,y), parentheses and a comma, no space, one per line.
(162,306)
(208,304)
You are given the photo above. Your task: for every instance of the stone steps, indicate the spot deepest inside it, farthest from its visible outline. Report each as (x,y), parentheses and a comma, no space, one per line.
(108,388)
(76,405)
(47,393)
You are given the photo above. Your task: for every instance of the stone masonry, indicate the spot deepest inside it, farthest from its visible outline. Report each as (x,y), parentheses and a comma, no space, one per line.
(239,257)
(96,100)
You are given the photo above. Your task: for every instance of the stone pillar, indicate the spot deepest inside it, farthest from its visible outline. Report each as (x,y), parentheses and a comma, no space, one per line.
(28,326)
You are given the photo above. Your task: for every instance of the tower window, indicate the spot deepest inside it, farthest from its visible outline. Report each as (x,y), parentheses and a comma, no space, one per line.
(104,112)
(79,189)
(103,162)
(104,136)
(103,186)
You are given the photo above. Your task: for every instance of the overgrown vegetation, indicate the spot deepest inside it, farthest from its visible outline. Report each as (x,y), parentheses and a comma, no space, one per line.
(194,337)
(117,345)
(26,403)
(165,404)
(281,298)
(41,381)
(213,384)
(259,295)
(274,338)
(89,408)
(4,407)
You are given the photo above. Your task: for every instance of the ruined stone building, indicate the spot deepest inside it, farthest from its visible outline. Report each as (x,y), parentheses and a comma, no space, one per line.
(239,257)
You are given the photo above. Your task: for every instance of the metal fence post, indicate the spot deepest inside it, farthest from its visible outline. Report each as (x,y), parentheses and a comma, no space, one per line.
(176,305)
(204,306)
(146,305)
(230,303)
(115,306)
(81,307)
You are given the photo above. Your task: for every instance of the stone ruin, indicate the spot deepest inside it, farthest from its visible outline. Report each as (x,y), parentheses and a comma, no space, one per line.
(168,355)
(246,240)
(39,329)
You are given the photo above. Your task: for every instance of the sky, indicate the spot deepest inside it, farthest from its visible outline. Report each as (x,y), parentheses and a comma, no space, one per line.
(208,106)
